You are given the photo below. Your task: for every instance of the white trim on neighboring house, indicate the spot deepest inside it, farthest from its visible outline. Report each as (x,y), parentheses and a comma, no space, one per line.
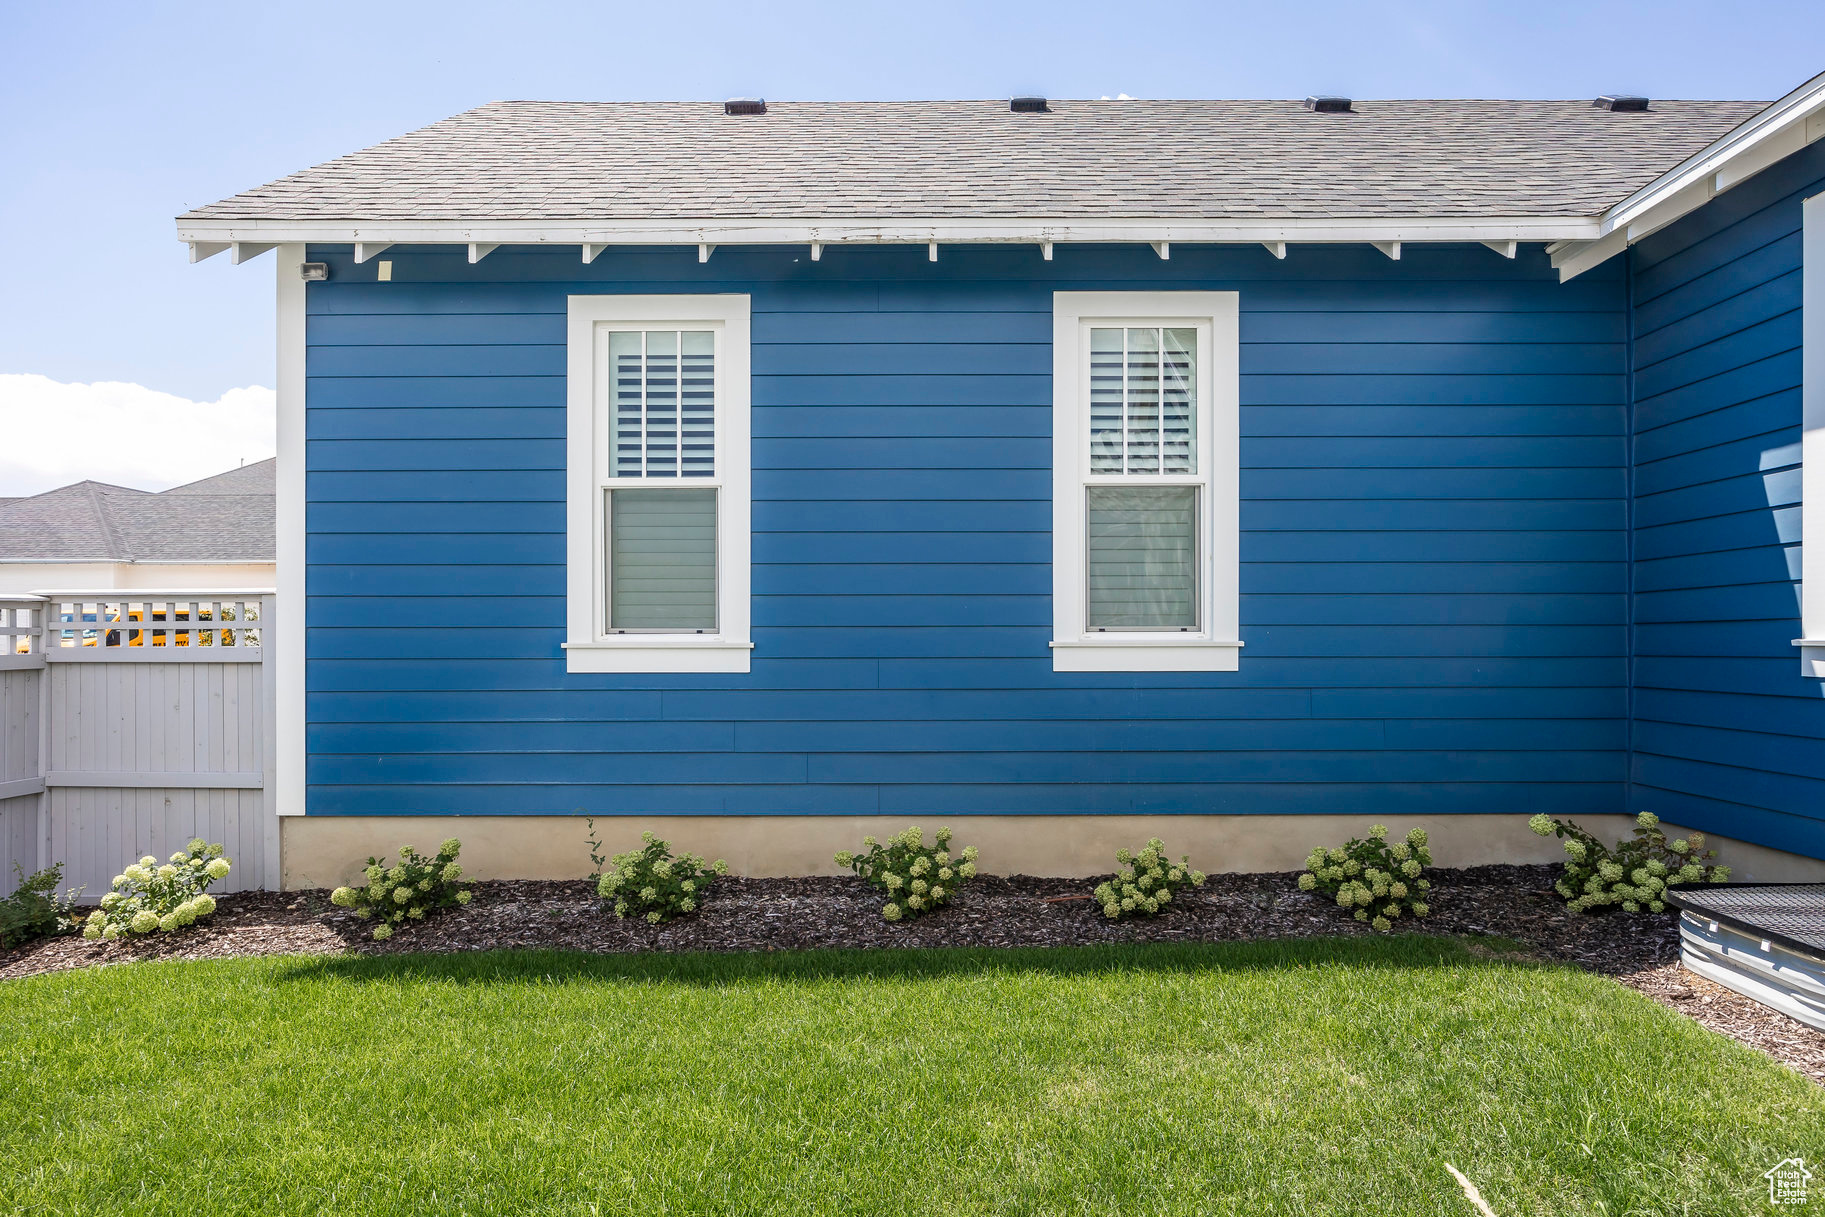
(1215,644)
(1812,451)
(288,492)
(588,646)
(1783,128)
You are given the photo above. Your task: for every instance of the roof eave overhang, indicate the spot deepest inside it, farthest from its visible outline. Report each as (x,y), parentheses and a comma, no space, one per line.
(1784,128)
(249,237)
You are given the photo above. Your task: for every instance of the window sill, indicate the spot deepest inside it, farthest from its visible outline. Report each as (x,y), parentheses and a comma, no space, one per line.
(1146,655)
(649,654)
(1812,656)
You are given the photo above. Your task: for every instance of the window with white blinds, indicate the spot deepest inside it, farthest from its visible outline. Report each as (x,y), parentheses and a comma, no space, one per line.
(664,403)
(661,542)
(1144,482)
(662,559)
(659,451)
(1141,557)
(1143,400)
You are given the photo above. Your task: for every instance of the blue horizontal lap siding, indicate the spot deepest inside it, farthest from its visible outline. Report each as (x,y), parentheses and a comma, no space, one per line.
(1434,560)
(1727,734)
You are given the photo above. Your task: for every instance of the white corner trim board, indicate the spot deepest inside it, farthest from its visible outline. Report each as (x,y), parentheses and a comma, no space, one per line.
(1812,451)
(1208,638)
(286,793)
(594,476)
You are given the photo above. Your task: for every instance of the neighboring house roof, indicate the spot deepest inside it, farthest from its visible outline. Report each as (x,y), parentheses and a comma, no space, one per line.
(225,518)
(578,161)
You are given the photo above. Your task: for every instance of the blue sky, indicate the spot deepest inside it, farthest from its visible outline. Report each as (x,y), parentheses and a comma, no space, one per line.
(122,115)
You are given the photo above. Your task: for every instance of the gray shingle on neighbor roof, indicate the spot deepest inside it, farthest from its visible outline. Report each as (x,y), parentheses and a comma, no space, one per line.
(529,160)
(225,518)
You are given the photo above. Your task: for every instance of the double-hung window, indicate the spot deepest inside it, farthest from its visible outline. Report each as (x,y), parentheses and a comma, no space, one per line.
(658,484)
(1144,482)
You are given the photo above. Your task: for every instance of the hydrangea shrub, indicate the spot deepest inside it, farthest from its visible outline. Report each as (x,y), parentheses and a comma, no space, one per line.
(1375,881)
(1636,873)
(648,882)
(1147,882)
(409,890)
(916,877)
(150,897)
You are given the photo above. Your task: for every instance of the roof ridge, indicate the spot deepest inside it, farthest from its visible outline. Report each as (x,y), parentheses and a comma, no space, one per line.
(111,537)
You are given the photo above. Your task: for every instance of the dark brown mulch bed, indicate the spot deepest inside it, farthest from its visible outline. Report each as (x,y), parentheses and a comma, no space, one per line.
(791,914)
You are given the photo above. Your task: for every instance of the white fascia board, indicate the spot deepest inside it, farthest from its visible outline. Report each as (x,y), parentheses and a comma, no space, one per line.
(1743,142)
(1783,128)
(1247,230)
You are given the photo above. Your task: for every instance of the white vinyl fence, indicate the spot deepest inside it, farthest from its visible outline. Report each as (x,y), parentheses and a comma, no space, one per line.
(131,722)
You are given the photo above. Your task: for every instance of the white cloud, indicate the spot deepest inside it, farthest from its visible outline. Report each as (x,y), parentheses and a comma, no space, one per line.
(53,433)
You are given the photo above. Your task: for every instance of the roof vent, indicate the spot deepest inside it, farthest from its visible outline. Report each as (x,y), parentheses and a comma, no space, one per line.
(1029,105)
(745,105)
(1328,105)
(1621,102)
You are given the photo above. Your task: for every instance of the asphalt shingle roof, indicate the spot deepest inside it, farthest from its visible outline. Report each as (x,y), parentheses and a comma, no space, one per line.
(225,518)
(529,160)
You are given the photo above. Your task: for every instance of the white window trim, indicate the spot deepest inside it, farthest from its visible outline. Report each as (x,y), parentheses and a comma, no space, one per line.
(1216,645)
(1812,443)
(588,648)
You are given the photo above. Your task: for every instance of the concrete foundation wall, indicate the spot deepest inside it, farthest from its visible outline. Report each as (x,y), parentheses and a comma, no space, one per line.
(322,851)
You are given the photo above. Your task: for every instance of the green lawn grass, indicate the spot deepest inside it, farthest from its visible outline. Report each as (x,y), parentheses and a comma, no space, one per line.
(1323,1076)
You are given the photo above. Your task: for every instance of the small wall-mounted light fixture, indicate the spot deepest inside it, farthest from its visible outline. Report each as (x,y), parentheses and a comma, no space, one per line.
(386,272)
(313,272)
